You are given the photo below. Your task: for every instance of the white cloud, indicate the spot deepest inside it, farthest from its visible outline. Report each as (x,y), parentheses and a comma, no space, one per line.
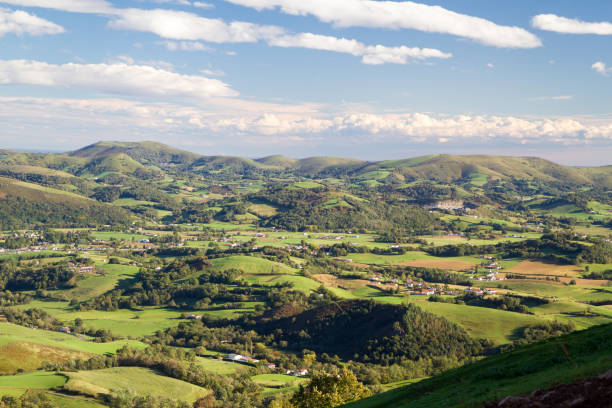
(19,22)
(188,29)
(552,22)
(114,78)
(601,68)
(373,55)
(180,25)
(75,6)
(186,46)
(402,15)
(203,5)
(490,65)
(236,122)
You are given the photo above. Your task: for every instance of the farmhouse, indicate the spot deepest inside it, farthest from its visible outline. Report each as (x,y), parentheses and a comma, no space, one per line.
(297,373)
(241,359)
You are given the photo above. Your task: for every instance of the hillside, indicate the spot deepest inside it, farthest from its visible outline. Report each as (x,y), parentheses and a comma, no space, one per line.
(446,168)
(367,331)
(564,359)
(150,153)
(277,161)
(24,203)
(327,165)
(124,157)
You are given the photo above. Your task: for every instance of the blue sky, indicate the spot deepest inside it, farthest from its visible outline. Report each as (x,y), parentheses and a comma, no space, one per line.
(358,78)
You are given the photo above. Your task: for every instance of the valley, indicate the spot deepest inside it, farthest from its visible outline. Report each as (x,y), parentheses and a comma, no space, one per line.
(137,273)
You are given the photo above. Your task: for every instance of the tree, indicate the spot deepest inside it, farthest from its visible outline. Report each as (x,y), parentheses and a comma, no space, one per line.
(327,391)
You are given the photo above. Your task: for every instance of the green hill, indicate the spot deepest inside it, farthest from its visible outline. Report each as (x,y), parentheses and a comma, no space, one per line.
(363,330)
(277,161)
(318,165)
(446,168)
(125,158)
(227,164)
(576,356)
(24,204)
(149,153)
(116,163)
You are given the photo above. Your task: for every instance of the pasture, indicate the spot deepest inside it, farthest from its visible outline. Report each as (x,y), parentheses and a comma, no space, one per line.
(16,385)
(10,333)
(252,265)
(483,323)
(140,381)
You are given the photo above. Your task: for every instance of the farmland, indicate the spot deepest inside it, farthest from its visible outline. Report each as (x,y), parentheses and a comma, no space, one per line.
(233,281)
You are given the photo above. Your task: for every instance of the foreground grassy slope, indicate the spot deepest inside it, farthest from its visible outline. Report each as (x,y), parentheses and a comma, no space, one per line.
(564,359)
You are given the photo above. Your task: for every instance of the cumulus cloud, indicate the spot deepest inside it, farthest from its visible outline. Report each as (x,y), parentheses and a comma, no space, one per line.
(402,15)
(189,29)
(236,122)
(19,22)
(75,6)
(373,55)
(114,78)
(601,68)
(181,25)
(552,22)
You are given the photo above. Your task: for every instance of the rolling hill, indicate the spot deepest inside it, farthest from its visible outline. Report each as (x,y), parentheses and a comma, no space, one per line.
(21,201)
(147,153)
(128,157)
(446,168)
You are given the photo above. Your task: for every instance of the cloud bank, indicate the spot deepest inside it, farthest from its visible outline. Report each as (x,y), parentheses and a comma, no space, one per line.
(227,121)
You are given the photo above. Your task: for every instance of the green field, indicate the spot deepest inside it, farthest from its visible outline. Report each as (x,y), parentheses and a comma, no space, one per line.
(141,381)
(94,285)
(278,383)
(480,322)
(10,333)
(19,384)
(217,365)
(252,265)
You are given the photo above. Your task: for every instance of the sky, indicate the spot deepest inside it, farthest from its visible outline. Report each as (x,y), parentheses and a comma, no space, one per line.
(352,78)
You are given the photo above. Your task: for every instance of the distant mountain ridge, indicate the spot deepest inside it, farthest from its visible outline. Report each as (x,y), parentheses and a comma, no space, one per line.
(129,157)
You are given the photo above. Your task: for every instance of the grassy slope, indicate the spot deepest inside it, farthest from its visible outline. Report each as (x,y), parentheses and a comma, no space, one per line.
(448,168)
(252,265)
(579,355)
(10,333)
(37,192)
(135,379)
